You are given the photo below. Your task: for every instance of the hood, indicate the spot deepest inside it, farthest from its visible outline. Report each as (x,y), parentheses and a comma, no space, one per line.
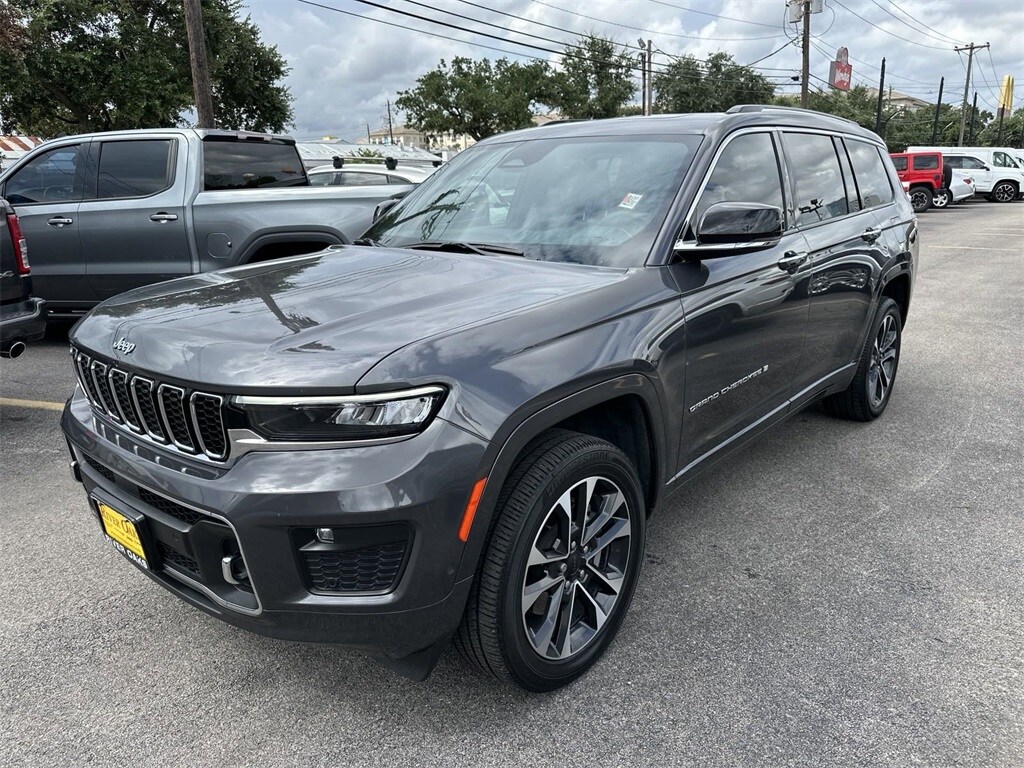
(319,321)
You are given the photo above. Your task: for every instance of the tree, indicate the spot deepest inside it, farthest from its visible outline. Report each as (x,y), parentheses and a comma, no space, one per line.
(74,66)
(476,98)
(690,85)
(596,79)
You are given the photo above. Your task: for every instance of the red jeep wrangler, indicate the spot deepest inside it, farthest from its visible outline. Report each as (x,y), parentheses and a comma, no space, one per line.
(921,174)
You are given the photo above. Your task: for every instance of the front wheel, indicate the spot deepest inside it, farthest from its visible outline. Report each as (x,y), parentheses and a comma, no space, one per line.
(1004,192)
(871,388)
(920,199)
(561,565)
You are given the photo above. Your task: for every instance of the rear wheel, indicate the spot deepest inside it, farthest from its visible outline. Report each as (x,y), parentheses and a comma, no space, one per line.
(942,198)
(1004,192)
(561,564)
(920,199)
(869,392)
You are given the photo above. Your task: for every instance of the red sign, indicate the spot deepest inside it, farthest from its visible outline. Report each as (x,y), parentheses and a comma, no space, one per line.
(840,71)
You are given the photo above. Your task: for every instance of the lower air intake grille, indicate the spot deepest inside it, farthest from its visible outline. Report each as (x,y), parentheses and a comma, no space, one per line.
(178,560)
(373,569)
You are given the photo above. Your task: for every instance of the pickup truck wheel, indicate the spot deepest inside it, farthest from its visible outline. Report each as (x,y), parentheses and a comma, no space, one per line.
(869,392)
(920,199)
(561,565)
(1004,192)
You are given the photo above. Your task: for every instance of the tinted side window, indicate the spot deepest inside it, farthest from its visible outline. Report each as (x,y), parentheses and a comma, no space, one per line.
(250,165)
(1003,160)
(820,194)
(134,168)
(926,162)
(973,163)
(954,161)
(747,172)
(48,178)
(872,180)
(321,179)
(356,179)
(900,163)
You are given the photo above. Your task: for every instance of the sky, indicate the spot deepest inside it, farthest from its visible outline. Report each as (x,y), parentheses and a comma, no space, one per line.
(344,68)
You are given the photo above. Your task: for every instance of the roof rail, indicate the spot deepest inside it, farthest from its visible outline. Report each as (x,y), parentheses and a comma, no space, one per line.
(736,109)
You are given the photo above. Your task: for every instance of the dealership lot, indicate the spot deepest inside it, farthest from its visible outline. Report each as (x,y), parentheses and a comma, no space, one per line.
(836,594)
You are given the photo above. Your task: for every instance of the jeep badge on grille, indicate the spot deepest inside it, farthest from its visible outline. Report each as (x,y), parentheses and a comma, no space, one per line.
(123,345)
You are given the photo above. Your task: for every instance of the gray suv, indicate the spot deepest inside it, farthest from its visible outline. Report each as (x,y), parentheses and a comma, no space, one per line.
(460,426)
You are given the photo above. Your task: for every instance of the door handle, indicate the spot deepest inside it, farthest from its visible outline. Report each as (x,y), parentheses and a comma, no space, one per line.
(60,221)
(871,234)
(163,218)
(791,260)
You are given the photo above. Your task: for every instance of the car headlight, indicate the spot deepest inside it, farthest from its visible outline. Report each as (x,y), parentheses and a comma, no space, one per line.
(342,417)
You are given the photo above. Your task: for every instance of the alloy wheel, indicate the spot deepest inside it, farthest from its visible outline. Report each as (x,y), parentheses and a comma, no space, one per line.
(1004,193)
(942,198)
(920,199)
(883,361)
(576,568)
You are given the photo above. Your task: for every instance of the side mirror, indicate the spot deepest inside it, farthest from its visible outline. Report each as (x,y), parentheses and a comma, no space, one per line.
(985,168)
(386,205)
(729,227)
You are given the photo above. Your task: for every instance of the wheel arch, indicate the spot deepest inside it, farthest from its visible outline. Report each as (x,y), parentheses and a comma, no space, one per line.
(898,288)
(278,244)
(625,411)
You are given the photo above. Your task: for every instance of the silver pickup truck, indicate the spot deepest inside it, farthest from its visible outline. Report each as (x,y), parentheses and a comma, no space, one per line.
(107,212)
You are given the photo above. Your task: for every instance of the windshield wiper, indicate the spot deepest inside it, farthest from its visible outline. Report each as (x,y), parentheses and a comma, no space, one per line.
(462,247)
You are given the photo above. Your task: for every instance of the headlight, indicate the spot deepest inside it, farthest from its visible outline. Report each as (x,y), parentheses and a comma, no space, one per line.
(342,417)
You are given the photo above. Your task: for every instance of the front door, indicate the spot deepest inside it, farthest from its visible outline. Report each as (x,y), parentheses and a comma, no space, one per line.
(46,192)
(132,220)
(744,313)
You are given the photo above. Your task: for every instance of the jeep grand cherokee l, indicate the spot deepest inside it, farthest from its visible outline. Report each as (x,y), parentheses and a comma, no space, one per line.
(459,427)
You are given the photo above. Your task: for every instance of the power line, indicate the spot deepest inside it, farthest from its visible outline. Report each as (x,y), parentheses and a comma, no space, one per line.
(901,38)
(933,29)
(651,31)
(907,24)
(715,15)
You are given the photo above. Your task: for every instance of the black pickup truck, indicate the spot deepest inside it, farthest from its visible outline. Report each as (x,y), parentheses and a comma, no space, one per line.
(22,317)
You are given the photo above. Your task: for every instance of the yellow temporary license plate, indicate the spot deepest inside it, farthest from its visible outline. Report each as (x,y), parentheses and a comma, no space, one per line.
(123,534)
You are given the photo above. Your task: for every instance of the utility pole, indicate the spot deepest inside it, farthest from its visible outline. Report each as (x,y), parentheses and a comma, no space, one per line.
(367,133)
(806,65)
(967,86)
(974,114)
(938,106)
(881,93)
(650,80)
(643,76)
(391,127)
(200,67)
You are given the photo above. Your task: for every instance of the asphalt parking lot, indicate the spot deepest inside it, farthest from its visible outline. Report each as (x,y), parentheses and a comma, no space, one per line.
(836,594)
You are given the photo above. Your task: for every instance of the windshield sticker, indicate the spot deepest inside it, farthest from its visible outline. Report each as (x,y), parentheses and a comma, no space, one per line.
(724,390)
(630,201)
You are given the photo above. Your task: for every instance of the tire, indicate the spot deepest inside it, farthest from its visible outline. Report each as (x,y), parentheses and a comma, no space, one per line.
(503,631)
(920,199)
(942,198)
(862,400)
(1003,192)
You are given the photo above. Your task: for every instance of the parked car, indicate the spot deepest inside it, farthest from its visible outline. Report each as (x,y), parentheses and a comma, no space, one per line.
(108,212)
(461,427)
(921,174)
(959,186)
(365,175)
(995,172)
(22,316)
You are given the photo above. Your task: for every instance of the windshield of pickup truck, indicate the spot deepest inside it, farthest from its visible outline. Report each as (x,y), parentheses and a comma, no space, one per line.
(596,200)
(251,165)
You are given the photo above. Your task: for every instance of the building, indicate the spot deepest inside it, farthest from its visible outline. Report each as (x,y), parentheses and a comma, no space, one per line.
(406,136)
(895,100)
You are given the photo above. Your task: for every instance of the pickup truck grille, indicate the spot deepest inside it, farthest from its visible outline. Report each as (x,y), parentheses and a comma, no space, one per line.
(187,420)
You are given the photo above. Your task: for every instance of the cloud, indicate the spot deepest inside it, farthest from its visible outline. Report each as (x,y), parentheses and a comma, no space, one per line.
(345,69)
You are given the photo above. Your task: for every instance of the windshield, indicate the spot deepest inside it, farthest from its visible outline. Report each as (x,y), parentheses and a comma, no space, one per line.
(596,200)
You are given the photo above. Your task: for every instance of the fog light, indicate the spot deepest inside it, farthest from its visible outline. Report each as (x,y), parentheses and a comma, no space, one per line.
(325,535)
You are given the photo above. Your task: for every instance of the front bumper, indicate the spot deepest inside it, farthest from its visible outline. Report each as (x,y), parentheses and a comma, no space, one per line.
(270,502)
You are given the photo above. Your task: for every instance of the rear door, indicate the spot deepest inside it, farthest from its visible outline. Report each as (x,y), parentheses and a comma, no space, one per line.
(744,317)
(132,220)
(845,243)
(46,192)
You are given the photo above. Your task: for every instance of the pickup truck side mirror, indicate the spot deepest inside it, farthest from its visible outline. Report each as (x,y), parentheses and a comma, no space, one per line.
(729,227)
